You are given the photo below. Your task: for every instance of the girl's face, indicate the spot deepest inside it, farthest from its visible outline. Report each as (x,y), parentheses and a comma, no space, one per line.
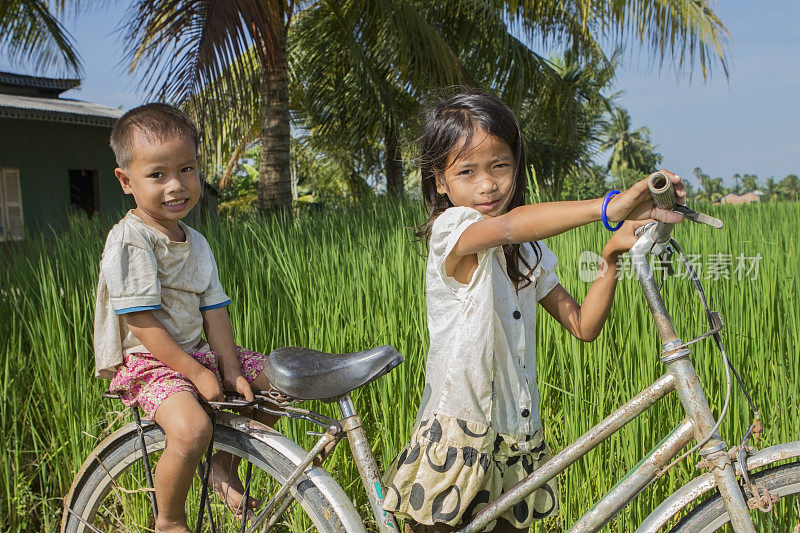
(482,177)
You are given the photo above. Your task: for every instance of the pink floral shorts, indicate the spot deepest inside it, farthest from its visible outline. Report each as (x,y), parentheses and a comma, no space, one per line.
(144,381)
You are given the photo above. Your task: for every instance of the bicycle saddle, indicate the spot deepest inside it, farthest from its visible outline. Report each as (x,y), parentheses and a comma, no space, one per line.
(307,374)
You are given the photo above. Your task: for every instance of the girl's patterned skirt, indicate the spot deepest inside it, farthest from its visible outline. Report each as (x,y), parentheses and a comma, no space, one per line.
(452,469)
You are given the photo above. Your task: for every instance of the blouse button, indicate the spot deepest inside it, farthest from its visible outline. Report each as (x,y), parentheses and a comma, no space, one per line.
(516,314)
(525,413)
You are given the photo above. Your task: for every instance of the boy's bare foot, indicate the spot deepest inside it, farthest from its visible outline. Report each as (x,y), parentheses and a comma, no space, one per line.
(168,526)
(226,483)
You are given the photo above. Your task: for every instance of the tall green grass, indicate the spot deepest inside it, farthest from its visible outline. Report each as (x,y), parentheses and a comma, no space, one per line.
(352,278)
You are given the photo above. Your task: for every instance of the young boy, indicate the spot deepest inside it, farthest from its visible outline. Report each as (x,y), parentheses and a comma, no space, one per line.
(158,292)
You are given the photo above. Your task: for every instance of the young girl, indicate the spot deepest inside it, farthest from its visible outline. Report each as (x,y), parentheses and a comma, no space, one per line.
(478,430)
(158,293)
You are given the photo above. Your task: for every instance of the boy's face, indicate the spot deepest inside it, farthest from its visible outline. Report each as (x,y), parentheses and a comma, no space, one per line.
(163,178)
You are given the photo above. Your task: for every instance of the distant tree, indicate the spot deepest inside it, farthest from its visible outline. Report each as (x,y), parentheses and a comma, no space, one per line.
(772,190)
(587,182)
(630,150)
(562,122)
(749,182)
(712,189)
(737,183)
(790,187)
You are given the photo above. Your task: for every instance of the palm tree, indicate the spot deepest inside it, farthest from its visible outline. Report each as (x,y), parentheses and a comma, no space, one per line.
(749,182)
(183,45)
(31,32)
(630,150)
(790,187)
(563,121)
(357,72)
(205,52)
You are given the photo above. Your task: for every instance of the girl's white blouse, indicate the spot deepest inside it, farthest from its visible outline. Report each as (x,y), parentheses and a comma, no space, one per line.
(481,365)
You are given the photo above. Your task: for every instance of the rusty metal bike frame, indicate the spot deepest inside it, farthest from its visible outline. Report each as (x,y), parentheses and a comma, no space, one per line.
(698,424)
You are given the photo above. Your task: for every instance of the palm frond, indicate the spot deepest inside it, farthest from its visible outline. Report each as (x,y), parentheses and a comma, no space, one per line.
(686,32)
(181,46)
(30,32)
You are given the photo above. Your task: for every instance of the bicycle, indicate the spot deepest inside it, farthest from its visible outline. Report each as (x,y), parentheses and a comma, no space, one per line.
(742,487)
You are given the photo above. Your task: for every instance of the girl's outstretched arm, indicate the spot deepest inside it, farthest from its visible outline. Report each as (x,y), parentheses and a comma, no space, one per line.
(586,321)
(535,222)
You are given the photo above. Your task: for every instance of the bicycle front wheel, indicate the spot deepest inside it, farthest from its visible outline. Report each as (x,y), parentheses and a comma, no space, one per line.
(114,494)
(782,481)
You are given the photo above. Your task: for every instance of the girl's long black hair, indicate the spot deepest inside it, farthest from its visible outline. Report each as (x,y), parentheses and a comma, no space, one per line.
(449,126)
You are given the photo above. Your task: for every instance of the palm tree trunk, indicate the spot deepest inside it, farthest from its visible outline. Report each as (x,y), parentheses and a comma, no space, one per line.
(393,164)
(225,180)
(274,179)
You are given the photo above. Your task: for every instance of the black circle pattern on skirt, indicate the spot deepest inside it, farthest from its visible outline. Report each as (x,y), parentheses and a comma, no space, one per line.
(449,461)
(521,511)
(536,514)
(463,425)
(401,459)
(527,465)
(470,455)
(435,431)
(469,511)
(417,496)
(438,502)
(392,488)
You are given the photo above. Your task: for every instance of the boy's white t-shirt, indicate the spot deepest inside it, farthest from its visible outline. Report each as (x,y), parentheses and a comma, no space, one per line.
(481,365)
(142,269)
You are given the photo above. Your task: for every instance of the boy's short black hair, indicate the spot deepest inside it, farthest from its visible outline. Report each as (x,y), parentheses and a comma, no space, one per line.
(154,121)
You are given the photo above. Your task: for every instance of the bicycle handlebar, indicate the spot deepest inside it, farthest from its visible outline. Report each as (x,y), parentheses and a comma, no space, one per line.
(662,190)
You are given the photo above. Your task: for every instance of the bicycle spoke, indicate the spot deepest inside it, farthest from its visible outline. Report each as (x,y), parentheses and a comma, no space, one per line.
(116,496)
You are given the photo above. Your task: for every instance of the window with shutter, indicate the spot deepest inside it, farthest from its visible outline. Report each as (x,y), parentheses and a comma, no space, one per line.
(11,204)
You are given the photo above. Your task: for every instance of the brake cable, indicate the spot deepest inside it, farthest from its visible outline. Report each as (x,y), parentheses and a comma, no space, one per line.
(756,425)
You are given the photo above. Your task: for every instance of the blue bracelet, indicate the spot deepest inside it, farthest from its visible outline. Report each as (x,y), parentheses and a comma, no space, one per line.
(604,216)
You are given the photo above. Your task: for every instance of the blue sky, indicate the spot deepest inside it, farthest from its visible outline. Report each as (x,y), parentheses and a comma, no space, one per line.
(748,123)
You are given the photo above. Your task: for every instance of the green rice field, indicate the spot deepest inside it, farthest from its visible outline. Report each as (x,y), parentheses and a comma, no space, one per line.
(352,278)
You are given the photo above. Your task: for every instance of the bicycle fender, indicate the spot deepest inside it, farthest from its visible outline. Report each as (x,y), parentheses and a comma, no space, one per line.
(702,484)
(341,504)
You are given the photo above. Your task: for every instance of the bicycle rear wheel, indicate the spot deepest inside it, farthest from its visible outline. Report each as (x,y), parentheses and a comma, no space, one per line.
(114,494)
(782,481)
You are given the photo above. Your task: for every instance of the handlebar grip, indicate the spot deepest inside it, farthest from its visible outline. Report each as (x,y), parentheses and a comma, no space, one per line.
(662,190)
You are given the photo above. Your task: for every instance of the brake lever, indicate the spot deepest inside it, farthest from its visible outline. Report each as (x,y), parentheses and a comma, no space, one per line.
(694,216)
(664,197)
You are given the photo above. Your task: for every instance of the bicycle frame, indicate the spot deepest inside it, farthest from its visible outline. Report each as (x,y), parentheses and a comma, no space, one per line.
(680,377)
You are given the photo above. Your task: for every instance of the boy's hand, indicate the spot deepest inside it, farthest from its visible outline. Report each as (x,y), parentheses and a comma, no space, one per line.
(208,386)
(239,384)
(622,240)
(636,203)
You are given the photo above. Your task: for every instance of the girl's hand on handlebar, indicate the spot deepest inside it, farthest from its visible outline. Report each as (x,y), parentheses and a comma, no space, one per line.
(622,240)
(636,203)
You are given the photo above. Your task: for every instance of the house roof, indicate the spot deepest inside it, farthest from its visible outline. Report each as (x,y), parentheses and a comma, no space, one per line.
(57,110)
(21,84)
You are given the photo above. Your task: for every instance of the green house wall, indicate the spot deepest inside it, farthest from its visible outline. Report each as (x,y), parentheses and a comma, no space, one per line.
(44,153)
